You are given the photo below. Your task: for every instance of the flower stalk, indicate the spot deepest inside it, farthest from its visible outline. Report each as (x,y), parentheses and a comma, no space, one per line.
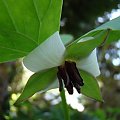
(65,106)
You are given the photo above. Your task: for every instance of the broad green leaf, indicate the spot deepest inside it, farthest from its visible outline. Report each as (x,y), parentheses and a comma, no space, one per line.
(91,87)
(113,25)
(38,82)
(66,38)
(34,19)
(12,45)
(84,46)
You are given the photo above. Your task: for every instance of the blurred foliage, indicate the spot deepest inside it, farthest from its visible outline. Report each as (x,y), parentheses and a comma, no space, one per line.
(109,57)
(32,111)
(78,17)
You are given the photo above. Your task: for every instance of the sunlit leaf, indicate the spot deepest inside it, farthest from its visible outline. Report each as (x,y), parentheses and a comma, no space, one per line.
(38,82)
(113,25)
(84,46)
(91,87)
(34,20)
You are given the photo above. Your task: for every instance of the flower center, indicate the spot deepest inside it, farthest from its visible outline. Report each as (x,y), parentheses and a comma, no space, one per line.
(70,76)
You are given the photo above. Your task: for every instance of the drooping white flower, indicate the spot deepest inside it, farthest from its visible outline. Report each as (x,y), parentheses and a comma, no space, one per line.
(50,54)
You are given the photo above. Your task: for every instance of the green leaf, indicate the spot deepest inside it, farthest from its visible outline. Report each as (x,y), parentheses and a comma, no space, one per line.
(91,87)
(38,82)
(84,46)
(33,21)
(66,38)
(113,25)
(12,45)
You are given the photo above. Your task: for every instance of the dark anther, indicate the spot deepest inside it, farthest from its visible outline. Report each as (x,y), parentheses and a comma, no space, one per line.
(73,72)
(60,82)
(70,76)
(62,75)
(77,87)
(70,88)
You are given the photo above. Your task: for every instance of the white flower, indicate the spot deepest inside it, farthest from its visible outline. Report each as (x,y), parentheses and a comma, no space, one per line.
(51,53)
(51,60)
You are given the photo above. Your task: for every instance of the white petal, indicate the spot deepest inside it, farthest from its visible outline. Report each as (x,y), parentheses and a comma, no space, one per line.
(47,55)
(90,64)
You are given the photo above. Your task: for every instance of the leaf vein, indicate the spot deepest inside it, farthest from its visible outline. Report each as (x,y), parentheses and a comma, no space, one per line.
(20,51)
(12,19)
(38,19)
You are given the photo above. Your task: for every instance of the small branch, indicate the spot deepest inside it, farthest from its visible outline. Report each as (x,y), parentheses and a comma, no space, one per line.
(65,106)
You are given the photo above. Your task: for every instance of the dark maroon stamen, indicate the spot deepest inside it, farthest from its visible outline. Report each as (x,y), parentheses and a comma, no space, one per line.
(73,72)
(77,87)
(70,76)
(62,75)
(60,82)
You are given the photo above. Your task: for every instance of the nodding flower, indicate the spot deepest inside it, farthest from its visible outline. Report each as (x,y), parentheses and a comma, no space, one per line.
(52,53)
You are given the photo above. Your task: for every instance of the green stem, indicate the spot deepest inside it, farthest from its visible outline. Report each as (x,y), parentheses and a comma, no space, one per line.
(65,106)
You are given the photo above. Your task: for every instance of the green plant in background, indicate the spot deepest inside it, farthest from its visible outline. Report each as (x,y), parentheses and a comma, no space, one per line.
(29,29)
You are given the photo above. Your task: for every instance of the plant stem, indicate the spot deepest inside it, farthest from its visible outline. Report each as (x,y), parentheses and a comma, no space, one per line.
(65,106)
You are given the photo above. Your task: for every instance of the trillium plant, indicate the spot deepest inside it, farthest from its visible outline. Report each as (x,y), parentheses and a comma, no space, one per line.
(51,55)
(29,29)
